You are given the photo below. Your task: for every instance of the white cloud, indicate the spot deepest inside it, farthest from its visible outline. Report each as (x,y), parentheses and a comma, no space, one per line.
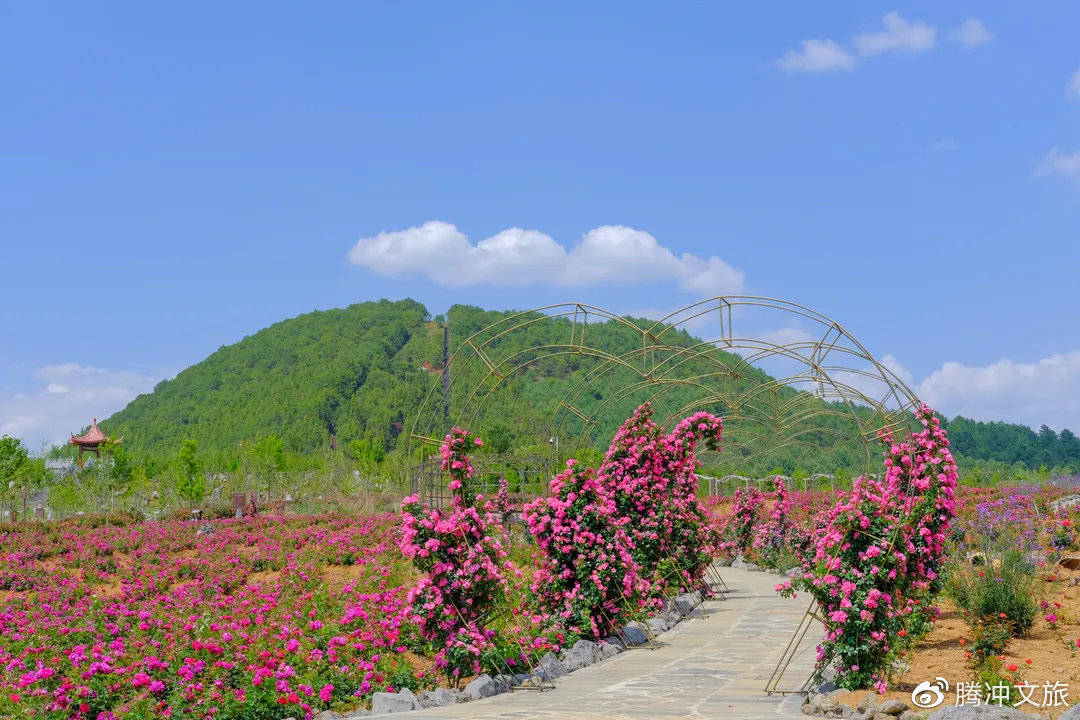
(817,56)
(1059,164)
(1072,88)
(972,33)
(611,254)
(71,395)
(901,372)
(1046,391)
(899,34)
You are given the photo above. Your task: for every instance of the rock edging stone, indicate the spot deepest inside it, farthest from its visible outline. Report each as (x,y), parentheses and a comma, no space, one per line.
(583,654)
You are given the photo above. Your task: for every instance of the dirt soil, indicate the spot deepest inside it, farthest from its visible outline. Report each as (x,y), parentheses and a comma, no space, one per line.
(1045,654)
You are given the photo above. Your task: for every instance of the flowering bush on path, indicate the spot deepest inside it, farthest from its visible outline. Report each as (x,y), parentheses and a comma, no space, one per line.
(461,558)
(745,516)
(587,577)
(778,537)
(652,479)
(877,560)
(613,540)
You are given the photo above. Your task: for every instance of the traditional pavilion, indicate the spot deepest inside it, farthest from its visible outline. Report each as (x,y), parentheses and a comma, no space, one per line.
(91,441)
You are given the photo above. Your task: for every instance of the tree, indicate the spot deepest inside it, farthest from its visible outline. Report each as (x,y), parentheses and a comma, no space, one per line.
(367,452)
(115,472)
(268,459)
(102,484)
(974,478)
(13,462)
(190,484)
(499,438)
(1070,447)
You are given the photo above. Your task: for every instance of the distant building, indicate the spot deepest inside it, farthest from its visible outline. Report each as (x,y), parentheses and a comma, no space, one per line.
(91,441)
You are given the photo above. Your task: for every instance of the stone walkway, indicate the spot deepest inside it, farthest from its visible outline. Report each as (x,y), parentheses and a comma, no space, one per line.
(707,667)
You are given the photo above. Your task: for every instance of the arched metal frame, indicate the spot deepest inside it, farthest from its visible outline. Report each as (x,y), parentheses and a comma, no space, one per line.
(830,364)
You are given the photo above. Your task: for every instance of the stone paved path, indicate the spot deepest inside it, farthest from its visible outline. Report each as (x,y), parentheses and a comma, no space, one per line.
(708,667)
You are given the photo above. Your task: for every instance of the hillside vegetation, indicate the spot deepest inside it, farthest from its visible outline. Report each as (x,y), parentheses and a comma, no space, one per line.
(336,378)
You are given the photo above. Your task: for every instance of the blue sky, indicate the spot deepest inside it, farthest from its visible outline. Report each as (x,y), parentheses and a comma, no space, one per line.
(184,176)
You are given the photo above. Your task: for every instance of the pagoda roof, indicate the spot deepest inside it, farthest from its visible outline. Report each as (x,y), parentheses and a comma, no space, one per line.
(90,437)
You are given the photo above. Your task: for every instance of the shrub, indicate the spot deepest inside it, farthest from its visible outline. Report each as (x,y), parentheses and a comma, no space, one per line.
(989,637)
(777,541)
(1001,592)
(118,518)
(990,673)
(651,476)
(631,530)
(587,577)
(877,560)
(461,560)
(1063,538)
(745,514)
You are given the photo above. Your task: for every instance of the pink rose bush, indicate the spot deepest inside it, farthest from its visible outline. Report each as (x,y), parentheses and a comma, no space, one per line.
(587,579)
(651,476)
(611,539)
(461,556)
(503,502)
(777,536)
(876,560)
(745,515)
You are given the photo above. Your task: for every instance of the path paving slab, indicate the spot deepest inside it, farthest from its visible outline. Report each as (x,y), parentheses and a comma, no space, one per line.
(709,667)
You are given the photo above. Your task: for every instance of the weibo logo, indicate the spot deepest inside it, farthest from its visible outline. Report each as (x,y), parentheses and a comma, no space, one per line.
(928,695)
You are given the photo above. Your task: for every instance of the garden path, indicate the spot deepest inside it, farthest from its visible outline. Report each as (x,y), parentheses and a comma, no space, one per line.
(708,667)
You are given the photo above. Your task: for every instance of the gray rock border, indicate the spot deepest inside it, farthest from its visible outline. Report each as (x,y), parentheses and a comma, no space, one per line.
(583,653)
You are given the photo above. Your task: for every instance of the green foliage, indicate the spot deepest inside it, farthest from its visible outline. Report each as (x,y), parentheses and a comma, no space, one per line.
(989,673)
(1011,443)
(12,458)
(498,437)
(366,452)
(989,638)
(358,375)
(105,485)
(13,465)
(190,484)
(270,454)
(120,463)
(338,372)
(999,593)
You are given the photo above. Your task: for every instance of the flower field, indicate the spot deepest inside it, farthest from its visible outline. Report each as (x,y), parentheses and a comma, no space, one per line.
(146,619)
(286,616)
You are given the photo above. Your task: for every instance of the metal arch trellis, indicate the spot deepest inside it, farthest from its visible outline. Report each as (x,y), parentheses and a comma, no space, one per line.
(836,368)
(846,380)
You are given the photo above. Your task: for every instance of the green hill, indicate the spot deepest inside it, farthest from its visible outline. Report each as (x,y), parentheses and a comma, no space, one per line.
(321,380)
(347,373)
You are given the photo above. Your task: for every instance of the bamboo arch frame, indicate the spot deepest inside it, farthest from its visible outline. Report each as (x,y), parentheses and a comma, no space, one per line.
(831,364)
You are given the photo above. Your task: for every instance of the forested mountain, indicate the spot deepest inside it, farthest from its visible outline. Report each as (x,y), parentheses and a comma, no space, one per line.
(326,379)
(1010,443)
(346,373)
